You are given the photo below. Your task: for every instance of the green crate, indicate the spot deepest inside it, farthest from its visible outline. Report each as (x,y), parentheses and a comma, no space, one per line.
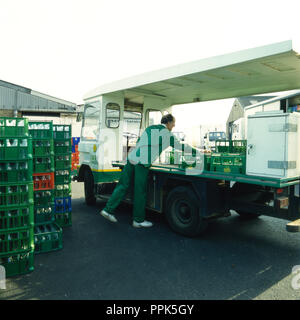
(231,146)
(15,171)
(13,127)
(62,131)
(63,161)
(62,177)
(16,195)
(42,148)
(74,172)
(16,241)
(44,214)
(43,198)
(41,129)
(63,219)
(207,162)
(18,264)
(228,163)
(43,164)
(16,217)
(62,190)
(15,148)
(62,147)
(47,238)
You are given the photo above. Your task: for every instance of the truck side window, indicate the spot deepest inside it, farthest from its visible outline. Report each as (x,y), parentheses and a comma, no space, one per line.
(91,121)
(112,115)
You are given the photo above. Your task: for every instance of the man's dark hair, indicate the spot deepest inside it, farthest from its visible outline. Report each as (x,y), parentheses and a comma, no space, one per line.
(167,118)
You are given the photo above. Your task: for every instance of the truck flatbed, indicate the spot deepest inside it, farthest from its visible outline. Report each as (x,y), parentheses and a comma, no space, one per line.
(258,180)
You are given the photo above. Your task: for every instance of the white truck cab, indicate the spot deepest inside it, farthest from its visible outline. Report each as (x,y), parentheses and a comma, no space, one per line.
(110,127)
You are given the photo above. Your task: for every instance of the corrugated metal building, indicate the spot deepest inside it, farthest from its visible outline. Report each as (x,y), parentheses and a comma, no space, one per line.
(17,99)
(20,101)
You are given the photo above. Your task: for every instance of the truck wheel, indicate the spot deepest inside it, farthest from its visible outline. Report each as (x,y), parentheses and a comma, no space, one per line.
(183,214)
(249,191)
(90,198)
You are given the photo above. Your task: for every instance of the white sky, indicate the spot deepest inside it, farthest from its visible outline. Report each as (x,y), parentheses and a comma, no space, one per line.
(65,48)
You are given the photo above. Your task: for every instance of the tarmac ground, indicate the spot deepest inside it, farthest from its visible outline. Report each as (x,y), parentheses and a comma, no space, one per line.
(234,259)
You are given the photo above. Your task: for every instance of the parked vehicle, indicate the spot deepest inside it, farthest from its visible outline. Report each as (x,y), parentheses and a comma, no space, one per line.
(211,137)
(238,177)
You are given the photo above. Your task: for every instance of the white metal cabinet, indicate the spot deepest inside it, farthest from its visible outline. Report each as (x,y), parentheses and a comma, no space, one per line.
(272,144)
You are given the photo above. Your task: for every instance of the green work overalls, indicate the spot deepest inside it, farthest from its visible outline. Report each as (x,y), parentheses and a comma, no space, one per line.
(137,169)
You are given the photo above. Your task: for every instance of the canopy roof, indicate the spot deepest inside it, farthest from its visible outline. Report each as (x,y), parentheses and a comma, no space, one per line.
(269,68)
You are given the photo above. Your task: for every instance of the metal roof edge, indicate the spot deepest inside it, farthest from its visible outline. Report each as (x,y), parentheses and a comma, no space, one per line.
(277,98)
(191,67)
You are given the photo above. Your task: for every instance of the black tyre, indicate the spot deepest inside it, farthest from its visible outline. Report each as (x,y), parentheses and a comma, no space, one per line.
(249,191)
(90,198)
(183,213)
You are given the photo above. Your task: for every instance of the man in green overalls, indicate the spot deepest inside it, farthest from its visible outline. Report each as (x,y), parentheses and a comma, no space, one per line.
(151,143)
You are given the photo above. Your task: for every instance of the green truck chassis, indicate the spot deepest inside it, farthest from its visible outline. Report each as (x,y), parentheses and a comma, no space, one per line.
(191,201)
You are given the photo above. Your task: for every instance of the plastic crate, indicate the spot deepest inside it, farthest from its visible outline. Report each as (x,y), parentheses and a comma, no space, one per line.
(63,205)
(62,131)
(44,214)
(13,127)
(44,198)
(74,168)
(43,164)
(75,157)
(16,241)
(17,264)
(207,162)
(15,148)
(75,141)
(62,146)
(42,148)
(47,238)
(16,195)
(62,161)
(16,218)
(228,163)
(62,177)
(231,146)
(41,129)
(74,172)
(43,181)
(74,148)
(15,171)
(62,190)
(64,219)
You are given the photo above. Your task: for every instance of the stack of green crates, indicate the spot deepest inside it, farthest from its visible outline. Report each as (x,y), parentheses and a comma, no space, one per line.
(16,197)
(62,135)
(47,235)
(230,157)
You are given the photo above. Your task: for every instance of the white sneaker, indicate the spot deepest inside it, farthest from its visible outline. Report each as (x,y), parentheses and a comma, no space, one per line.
(108,216)
(145,224)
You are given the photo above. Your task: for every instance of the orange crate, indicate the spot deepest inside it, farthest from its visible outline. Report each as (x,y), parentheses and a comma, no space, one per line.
(43,181)
(75,157)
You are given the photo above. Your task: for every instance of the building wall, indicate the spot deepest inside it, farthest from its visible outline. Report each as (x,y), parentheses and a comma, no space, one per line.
(236,112)
(9,113)
(12,98)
